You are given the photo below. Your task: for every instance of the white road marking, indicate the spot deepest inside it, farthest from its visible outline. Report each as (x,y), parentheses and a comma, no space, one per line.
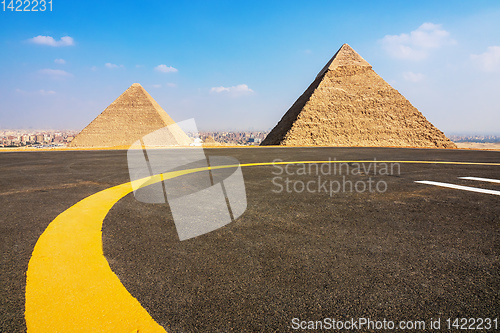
(458,187)
(482,179)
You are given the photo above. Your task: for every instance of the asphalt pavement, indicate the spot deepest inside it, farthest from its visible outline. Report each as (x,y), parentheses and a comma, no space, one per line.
(312,244)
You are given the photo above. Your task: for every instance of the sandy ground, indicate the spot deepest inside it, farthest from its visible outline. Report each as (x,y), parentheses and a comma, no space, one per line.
(478,145)
(460,145)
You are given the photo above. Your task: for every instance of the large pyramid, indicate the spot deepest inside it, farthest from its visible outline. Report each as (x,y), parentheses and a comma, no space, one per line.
(130,117)
(348,104)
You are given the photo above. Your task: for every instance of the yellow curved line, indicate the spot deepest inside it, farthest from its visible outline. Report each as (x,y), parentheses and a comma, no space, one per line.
(70,286)
(368,161)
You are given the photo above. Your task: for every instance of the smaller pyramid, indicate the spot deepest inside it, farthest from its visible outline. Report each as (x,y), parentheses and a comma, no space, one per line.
(129,118)
(348,104)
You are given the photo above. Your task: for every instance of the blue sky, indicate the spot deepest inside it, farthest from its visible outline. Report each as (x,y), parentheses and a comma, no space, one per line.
(239,65)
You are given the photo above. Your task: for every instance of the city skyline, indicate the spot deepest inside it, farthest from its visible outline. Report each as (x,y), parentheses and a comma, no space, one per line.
(60,138)
(239,67)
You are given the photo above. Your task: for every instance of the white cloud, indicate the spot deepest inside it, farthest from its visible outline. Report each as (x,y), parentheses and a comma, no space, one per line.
(240,89)
(156,86)
(55,73)
(171,85)
(112,66)
(50,41)
(413,77)
(417,44)
(165,69)
(488,61)
(46,92)
(60,61)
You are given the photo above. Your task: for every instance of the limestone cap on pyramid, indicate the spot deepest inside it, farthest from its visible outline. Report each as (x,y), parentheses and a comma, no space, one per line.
(345,56)
(348,104)
(130,117)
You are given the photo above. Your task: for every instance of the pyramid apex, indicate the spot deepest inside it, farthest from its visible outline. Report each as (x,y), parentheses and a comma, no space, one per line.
(345,56)
(136,85)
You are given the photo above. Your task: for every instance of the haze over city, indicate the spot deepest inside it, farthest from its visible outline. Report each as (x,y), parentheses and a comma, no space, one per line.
(240,66)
